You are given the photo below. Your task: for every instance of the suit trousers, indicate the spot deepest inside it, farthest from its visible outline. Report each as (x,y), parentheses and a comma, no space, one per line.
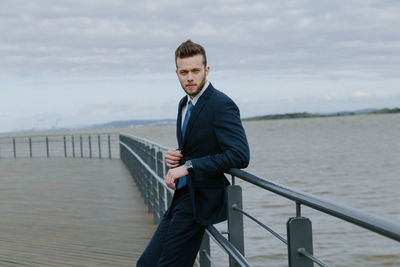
(177,238)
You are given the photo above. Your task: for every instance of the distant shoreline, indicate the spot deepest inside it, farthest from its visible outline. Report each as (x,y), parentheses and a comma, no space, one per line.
(116,125)
(304,115)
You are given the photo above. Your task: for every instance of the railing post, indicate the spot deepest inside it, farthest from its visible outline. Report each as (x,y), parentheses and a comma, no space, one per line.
(155,200)
(299,235)
(205,248)
(154,186)
(160,164)
(80,139)
(168,194)
(99,141)
(152,159)
(149,193)
(145,187)
(161,200)
(65,146)
(146,190)
(30,146)
(109,147)
(235,220)
(161,191)
(73,146)
(90,146)
(14,149)
(47,146)
(148,156)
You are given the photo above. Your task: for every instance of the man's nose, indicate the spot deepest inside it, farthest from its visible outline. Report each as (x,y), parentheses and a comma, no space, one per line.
(190,76)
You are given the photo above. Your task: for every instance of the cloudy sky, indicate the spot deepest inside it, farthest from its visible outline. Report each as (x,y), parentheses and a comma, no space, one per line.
(69,62)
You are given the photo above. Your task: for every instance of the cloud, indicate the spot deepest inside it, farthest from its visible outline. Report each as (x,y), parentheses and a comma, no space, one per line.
(123,37)
(375,94)
(62,56)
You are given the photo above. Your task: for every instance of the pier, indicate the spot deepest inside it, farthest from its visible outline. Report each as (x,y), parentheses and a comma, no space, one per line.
(70,212)
(96,199)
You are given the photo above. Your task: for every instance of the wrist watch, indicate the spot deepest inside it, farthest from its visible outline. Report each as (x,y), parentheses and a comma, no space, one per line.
(188,165)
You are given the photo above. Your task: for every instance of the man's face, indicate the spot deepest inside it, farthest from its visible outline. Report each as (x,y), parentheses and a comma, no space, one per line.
(192,74)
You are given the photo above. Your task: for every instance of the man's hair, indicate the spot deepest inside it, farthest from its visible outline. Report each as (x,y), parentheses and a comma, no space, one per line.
(190,49)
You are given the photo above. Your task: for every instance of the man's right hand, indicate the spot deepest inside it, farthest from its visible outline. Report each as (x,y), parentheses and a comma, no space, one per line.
(172,158)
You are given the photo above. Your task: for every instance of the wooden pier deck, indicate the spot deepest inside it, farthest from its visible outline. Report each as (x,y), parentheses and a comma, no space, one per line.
(70,212)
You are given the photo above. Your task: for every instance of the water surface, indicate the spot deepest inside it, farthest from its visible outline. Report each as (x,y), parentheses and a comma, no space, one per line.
(353,160)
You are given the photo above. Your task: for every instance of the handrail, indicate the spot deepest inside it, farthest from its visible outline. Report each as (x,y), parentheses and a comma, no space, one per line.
(227,246)
(145,141)
(153,174)
(305,253)
(299,234)
(235,207)
(92,145)
(211,230)
(23,135)
(375,224)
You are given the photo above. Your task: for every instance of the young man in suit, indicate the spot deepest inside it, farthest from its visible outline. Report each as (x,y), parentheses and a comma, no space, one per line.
(211,141)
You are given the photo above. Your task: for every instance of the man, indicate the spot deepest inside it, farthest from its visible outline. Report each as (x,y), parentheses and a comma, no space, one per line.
(211,141)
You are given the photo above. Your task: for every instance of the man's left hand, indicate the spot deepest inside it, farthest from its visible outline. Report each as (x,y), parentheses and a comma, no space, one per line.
(175,174)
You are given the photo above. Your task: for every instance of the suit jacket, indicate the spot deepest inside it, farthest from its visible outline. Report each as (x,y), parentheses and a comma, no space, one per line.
(215,142)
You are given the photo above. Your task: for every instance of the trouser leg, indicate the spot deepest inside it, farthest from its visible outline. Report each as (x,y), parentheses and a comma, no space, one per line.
(151,254)
(177,238)
(184,235)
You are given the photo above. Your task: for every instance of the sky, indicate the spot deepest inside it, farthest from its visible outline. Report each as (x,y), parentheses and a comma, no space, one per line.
(67,63)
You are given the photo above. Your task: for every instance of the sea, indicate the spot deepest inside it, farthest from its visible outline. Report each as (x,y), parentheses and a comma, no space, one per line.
(350,160)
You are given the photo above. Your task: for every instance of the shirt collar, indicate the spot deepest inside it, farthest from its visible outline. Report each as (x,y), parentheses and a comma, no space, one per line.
(194,100)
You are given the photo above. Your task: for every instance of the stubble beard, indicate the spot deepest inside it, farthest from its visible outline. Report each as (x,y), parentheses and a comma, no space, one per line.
(194,91)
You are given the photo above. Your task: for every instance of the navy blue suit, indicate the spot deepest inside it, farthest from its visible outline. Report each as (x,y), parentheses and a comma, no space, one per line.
(215,142)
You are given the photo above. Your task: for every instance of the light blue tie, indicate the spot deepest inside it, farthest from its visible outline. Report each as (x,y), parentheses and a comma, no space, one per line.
(182,181)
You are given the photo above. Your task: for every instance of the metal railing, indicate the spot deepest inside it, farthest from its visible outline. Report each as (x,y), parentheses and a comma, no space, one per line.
(145,161)
(101,145)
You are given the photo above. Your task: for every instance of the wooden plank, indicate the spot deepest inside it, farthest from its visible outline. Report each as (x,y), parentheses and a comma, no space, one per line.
(70,212)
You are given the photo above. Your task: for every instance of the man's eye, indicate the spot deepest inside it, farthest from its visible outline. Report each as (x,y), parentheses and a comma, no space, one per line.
(183,72)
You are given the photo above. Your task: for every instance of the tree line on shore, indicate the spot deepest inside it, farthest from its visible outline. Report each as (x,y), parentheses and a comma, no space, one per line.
(318,115)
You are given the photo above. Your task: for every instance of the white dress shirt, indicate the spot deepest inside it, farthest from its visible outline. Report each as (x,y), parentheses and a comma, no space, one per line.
(194,101)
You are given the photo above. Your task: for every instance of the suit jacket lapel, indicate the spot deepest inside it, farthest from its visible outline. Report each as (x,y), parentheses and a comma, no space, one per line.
(196,110)
(179,122)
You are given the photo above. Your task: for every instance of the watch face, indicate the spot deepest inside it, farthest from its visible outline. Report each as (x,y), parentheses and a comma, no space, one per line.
(188,165)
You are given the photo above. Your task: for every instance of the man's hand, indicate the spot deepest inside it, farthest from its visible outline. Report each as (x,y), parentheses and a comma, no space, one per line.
(172,158)
(175,174)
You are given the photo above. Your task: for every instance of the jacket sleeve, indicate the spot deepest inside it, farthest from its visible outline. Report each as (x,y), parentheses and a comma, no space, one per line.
(231,140)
